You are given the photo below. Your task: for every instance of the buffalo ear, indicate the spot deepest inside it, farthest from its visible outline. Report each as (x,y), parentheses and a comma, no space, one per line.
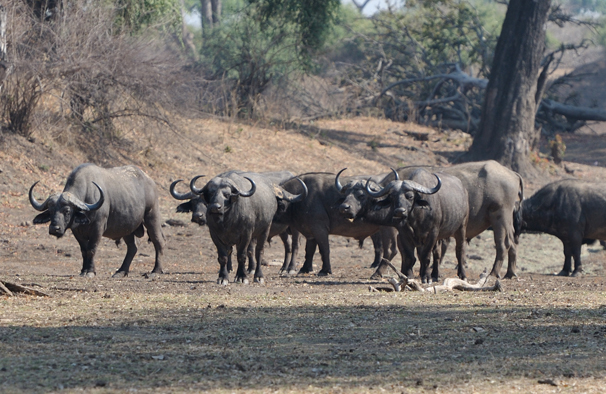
(44,217)
(80,218)
(185,207)
(424,204)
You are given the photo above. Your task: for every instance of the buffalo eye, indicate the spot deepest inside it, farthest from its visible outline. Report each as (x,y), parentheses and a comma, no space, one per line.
(66,210)
(409,195)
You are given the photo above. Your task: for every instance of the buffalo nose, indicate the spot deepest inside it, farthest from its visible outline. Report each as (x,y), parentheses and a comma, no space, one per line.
(214,208)
(54,229)
(344,207)
(198,218)
(400,213)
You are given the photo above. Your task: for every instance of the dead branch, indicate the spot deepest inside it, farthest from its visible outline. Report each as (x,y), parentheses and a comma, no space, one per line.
(10,289)
(449,284)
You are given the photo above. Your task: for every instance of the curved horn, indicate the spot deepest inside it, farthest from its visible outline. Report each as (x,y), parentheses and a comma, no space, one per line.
(296,197)
(422,189)
(395,174)
(380,193)
(180,196)
(192,184)
(37,206)
(251,191)
(337,183)
(98,204)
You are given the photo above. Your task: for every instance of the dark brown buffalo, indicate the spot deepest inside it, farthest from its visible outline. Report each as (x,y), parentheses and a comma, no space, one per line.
(96,202)
(318,216)
(423,216)
(241,207)
(572,210)
(290,238)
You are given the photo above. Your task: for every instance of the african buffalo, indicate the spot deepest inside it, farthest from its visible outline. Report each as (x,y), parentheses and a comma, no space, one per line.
(197,206)
(318,216)
(237,217)
(572,210)
(424,216)
(495,194)
(97,202)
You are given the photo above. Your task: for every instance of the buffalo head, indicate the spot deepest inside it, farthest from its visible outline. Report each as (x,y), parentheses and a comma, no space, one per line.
(355,199)
(196,204)
(63,210)
(403,195)
(221,193)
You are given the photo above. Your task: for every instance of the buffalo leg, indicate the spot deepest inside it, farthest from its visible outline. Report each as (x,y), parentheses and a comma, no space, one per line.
(389,236)
(424,260)
(310,250)
(461,244)
(131,251)
(224,254)
(261,240)
(324,248)
(576,255)
(511,261)
(567,269)
(252,262)
(408,254)
(499,240)
(153,224)
(292,264)
(88,247)
(241,250)
(287,250)
(377,243)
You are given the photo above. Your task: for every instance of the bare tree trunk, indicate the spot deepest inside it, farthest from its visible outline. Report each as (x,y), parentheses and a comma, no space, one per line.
(216,6)
(507,133)
(206,12)
(3,22)
(4,68)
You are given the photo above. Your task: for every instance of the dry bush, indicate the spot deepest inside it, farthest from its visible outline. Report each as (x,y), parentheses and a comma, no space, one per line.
(87,73)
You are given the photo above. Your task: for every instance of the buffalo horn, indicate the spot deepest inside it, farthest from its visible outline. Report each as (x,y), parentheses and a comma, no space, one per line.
(192,184)
(422,189)
(98,204)
(251,191)
(296,197)
(337,183)
(37,206)
(383,191)
(180,196)
(395,173)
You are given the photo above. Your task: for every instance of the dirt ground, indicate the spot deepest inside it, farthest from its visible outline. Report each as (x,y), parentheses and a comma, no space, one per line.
(182,332)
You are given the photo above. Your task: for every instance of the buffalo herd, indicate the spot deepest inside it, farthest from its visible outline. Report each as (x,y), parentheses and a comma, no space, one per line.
(415,210)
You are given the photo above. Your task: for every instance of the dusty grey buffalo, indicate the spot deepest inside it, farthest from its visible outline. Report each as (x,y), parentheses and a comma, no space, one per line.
(424,216)
(318,216)
(495,194)
(572,210)
(240,209)
(290,238)
(96,202)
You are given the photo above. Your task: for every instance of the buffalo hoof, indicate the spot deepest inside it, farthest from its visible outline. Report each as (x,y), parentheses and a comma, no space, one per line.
(510,275)
(376,275)
(243,281)
(324,273)
(563,273)
(435,279)
(374,264)
(120,274)
(495,274)
(260,280)
(87,274)
(223,281)
(576,273)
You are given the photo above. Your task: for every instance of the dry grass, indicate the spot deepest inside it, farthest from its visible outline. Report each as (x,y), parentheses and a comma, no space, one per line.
(182,332)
